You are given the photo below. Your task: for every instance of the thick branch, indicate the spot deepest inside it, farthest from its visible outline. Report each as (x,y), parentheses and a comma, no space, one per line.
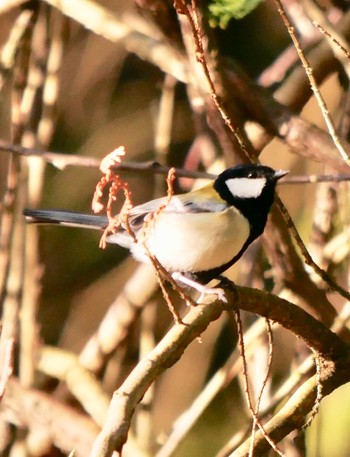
(170,349)
(316,335)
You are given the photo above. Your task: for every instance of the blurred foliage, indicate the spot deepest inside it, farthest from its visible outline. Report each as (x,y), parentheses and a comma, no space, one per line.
(222,11)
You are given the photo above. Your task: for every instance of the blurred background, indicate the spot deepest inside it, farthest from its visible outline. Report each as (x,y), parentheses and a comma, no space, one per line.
(82,85)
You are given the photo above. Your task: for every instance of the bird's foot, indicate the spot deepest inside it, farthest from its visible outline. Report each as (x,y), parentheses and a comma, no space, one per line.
(201,288)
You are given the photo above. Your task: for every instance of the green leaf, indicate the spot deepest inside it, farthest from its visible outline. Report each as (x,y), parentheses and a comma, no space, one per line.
(222,11)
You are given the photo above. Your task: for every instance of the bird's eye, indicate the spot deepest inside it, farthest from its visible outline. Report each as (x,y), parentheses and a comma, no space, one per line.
(252,174)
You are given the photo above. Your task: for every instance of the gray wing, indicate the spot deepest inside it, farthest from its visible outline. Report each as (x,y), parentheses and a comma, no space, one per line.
(177,204)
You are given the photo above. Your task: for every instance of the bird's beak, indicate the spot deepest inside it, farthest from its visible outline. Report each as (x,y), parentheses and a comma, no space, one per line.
(280,173)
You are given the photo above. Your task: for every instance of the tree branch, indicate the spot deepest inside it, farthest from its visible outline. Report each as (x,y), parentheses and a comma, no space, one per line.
(169,350)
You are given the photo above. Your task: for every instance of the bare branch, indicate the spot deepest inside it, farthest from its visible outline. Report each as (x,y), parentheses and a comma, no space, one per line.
(30,409)
(61,161)
(309,72)
(65,366)
(168,351)
(7,5)
(253,410)
(103,22)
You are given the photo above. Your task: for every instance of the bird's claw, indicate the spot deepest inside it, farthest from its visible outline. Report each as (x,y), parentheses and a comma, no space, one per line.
(202,289)
(219,293)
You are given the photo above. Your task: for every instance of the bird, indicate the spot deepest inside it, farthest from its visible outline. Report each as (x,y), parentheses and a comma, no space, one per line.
(197,235)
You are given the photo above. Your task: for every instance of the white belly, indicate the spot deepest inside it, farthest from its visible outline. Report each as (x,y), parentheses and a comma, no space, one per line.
(194,242)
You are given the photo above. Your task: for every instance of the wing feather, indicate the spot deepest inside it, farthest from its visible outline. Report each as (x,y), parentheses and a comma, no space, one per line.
(204,200)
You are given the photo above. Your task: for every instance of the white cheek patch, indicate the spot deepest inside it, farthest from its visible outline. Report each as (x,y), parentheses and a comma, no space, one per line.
(246,187)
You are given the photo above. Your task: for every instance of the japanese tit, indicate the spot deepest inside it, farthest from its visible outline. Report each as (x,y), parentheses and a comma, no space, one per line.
(199,234)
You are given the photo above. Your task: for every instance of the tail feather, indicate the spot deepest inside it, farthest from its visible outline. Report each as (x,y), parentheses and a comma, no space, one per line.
(67,218)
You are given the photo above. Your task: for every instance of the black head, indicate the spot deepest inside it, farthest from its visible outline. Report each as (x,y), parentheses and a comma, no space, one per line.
(251,189)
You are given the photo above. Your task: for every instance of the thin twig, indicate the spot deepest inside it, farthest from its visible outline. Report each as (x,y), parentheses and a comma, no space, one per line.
(339,45)
(264,383)
(309,72)
(194,21)
(289,385)
(319,390)
(61,161)
(306,255)
(162,273)
(107,167)
(23,25)
(252,410)
(222,377)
